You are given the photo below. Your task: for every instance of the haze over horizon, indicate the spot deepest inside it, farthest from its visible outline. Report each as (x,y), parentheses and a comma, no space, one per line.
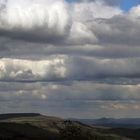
(74,58)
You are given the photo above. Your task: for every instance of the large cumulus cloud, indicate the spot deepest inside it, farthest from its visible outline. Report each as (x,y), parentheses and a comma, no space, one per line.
(49,20)
(26,70)
(34,20)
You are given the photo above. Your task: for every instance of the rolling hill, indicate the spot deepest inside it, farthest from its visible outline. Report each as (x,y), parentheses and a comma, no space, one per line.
(32,126)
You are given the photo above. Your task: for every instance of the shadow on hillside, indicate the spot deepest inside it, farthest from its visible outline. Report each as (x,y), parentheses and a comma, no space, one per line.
(13,131)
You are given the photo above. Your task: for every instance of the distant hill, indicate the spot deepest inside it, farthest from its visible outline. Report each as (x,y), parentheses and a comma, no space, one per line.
(33,126)
(110,122)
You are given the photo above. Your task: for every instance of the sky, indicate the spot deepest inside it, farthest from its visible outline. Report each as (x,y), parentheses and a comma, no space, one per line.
(71,59)
(126,5)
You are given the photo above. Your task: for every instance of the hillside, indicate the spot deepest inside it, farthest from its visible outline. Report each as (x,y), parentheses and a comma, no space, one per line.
(36,126)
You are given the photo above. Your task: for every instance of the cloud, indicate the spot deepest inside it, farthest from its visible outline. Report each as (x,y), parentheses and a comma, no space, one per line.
(94,9)
(50,21)
(72,57)
(33,20)
(109,31)
(26,70)
(95,46)
(78,99)
(69,68)
(109,2)
(122,106)
(80,34)
(134,12)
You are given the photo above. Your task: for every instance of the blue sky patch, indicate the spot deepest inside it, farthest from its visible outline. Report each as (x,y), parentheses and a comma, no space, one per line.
(128,4)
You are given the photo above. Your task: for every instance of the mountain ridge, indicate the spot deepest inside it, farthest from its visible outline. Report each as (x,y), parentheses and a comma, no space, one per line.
(112,122)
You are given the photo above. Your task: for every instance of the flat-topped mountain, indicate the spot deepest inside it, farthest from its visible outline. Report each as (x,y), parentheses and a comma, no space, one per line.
(17,115)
